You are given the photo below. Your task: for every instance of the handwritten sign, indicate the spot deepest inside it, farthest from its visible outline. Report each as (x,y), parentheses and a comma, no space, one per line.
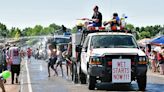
(121,70)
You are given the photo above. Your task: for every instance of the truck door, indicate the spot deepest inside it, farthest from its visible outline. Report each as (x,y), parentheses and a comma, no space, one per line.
(84,55)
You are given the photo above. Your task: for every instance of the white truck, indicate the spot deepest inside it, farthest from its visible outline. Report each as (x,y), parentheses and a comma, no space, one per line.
(111,57)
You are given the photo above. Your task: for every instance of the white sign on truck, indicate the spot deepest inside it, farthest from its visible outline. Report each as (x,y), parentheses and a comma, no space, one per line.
(121,70)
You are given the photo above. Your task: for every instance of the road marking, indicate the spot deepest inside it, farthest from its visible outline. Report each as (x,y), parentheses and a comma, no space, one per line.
(22,76)
(28,79)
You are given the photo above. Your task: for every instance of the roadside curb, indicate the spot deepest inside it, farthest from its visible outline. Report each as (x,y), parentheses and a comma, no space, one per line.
(22,75)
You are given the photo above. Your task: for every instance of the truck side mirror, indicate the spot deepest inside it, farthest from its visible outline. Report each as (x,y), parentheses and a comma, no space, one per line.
(78,48)
(84,49)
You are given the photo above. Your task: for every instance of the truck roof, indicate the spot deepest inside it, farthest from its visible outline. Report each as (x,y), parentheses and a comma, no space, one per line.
(109,33)
(61,36)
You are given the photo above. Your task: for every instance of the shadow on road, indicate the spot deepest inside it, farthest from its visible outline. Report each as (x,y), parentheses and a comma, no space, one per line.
(116,87)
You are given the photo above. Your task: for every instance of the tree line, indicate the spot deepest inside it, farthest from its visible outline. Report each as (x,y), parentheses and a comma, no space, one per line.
(148,31)
(38,30)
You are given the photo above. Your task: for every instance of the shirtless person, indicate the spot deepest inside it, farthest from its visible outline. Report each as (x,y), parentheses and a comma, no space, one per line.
(52,59)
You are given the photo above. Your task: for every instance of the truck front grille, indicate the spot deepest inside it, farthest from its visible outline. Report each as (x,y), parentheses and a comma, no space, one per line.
(108,59)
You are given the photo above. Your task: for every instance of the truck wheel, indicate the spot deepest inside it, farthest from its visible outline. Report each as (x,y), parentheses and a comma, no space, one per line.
(83,77)
(92,82)
(141,80)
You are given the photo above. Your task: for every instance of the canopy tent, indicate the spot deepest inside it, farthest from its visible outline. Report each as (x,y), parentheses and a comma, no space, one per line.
(158,41)
(144,41)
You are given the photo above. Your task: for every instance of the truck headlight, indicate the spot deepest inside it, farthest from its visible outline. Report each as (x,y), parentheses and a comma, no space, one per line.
(142,60)
(95,60)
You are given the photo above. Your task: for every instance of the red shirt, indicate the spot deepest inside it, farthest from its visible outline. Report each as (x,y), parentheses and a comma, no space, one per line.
(29,52)
(159,57)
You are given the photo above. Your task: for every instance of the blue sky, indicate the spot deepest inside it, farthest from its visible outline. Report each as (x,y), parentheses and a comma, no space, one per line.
(28,13)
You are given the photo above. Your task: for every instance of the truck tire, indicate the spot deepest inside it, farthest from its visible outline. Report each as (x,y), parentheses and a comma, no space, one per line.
(142,80)
(92,82)
(83,77)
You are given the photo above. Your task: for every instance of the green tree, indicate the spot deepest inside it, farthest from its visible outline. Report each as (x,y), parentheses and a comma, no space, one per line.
(17,35)
(129,26)
(142,29)
(55,27)
(145,34)
(37,30)
(47,31)
(137,29)
(27,31)
(74,30)
(14,31)
(3,30)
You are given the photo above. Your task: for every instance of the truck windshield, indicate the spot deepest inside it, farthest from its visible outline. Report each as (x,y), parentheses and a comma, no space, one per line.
(113,41)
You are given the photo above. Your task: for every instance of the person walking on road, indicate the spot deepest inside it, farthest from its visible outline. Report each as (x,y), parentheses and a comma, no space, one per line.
(8,61)
(22,54)
(29,53)
(52,59)
(67,56)
(15,59)
(59,59)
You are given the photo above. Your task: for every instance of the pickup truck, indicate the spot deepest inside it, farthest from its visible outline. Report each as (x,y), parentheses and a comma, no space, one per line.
(113,57)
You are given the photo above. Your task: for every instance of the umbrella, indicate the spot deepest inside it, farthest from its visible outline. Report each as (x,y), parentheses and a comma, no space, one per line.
(158,41)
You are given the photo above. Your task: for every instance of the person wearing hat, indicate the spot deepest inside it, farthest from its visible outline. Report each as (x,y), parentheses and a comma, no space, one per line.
(96,20)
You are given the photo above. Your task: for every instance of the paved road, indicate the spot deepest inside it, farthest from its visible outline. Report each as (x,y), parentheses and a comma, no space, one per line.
(39,81)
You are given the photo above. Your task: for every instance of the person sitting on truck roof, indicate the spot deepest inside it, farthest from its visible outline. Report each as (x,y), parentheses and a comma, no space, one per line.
(96,20)
(114,22)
